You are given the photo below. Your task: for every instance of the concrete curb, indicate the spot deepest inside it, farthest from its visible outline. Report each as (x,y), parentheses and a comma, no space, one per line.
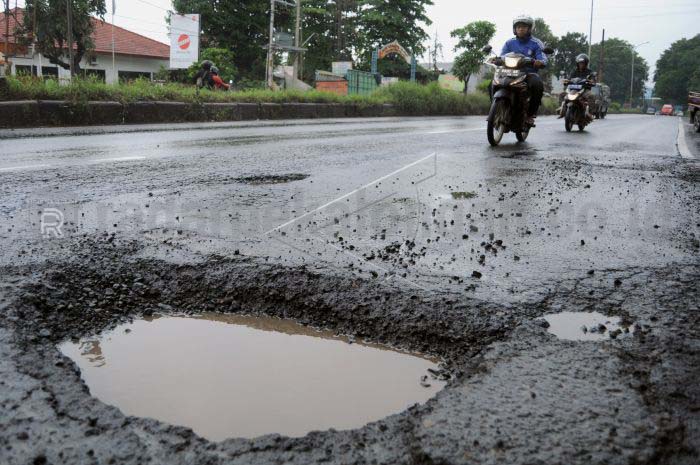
(34,113)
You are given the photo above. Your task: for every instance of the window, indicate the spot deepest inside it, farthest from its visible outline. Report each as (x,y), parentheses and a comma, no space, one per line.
(23,70)
(126,76)
(49,71)
(98,74)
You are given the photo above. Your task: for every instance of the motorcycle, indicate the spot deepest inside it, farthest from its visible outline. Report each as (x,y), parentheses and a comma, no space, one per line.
(575,109)
(510,98)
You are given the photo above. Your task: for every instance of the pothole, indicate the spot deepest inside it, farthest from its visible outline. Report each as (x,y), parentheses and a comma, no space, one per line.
(585,326)
(272,179)
(239,376)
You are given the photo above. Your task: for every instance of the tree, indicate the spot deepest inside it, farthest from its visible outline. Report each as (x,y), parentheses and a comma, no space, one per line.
(544,33)
(472,38)
(380,22)
(568,47)
(618,69)
(436,52)
(330,28)
(240,26)
(51,28)
(675,69)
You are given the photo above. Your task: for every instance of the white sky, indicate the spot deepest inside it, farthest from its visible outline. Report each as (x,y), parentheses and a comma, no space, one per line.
(661,22)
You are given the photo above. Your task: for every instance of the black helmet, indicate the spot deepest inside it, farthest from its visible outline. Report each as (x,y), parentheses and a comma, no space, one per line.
(582,58)
(206,64)
(214,70)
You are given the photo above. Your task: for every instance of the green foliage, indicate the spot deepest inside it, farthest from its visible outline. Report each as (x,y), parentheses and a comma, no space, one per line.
(397,67)
(544,33)
(617,70)
(222,58)
(568,47)
(678,67)
(412,98)
(52,28)
(380,22)
(484,85)
(472,38)
(614,107)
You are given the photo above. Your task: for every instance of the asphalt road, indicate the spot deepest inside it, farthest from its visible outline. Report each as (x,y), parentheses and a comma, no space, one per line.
(607,219)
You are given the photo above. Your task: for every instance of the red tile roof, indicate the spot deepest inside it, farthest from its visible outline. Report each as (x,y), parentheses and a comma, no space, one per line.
(125,42)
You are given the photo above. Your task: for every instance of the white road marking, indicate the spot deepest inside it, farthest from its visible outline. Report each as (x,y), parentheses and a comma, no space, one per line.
(23,168)
(294,220)
(682,144)
(104,160)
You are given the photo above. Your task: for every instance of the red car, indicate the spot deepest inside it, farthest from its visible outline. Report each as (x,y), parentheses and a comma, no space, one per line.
(667,110)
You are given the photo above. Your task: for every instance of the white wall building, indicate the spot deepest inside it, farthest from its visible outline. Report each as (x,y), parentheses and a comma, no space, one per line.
(134,55)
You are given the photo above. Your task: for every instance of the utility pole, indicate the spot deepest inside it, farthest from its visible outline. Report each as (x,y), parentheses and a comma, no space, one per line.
(7,34)
(590,32)
(632,78)
(69,8)
(297,41)
(601,58)
(270,51)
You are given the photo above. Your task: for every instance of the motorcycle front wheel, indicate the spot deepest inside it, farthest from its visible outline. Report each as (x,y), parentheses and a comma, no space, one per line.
(495,127)
(569,119)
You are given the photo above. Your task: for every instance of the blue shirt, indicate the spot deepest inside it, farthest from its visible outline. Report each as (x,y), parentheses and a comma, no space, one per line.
(530,47)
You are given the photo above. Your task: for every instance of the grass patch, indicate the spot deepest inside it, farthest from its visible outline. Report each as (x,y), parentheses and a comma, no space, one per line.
(463,195)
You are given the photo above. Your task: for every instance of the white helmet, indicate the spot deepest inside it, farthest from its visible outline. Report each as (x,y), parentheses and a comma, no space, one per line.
(524,19)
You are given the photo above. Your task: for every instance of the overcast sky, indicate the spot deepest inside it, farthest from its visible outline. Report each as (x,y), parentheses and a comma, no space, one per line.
(661,22)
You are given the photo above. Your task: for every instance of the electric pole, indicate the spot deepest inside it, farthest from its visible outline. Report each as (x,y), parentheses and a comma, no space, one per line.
(270,51)
(7,32)
(601,58)
(297,41)
(69,8)
(590,32)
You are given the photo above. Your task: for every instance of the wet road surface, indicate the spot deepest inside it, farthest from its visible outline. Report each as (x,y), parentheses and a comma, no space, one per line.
(411,231)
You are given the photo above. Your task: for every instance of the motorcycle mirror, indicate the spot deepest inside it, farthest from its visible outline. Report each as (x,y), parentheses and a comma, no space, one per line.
(548,50)
(487,49)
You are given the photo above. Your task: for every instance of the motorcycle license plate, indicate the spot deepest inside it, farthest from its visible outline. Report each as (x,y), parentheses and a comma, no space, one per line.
(575,87)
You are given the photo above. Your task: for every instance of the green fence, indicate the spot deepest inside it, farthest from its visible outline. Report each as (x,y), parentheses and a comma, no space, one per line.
(361,82)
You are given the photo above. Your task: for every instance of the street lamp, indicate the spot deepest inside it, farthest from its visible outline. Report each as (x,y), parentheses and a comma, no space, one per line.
(634,48)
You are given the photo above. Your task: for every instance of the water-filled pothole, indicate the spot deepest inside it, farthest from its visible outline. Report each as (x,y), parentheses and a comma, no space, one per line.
(238,376)
(585,326)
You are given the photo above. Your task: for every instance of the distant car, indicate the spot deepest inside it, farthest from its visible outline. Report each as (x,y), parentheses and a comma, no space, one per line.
(667,110)
(651,111)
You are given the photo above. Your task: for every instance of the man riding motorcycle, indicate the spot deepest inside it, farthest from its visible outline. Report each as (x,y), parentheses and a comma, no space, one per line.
(525,44)
(582,71)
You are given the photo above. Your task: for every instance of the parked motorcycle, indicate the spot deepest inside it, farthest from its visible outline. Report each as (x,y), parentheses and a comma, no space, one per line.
(575,110)
(510,98)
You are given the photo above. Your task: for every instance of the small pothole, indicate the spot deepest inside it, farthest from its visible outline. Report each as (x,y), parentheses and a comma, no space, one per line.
(239,376)
(272,178)
(585,326)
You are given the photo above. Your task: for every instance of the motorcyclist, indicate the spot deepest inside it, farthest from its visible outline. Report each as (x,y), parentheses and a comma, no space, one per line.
(582,71)
(218,82)
(204,77)
(525,44)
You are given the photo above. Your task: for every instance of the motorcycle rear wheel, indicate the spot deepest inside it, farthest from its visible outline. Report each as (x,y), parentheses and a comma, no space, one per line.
(495,130)
(697,121)
(522,135)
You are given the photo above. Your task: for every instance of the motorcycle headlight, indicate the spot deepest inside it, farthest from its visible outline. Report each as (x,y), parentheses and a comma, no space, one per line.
(512,62)
(572,96)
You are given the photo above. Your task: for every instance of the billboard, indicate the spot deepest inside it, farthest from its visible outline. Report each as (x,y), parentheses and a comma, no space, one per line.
(184,40)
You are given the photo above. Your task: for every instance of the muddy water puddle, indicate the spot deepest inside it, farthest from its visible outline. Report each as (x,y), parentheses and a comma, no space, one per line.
(585,326)
(239,376)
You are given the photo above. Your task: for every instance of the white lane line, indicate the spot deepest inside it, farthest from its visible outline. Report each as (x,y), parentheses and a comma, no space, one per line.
(294,220)
(105,160)
(682,144)
(23,168)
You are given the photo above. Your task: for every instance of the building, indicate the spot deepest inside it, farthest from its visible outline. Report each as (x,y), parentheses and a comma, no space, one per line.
(134,55)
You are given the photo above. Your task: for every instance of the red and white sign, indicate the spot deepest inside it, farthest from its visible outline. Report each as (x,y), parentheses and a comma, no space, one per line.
(184,40)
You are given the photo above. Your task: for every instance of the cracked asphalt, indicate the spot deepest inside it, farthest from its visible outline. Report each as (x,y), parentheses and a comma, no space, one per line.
(406,231)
